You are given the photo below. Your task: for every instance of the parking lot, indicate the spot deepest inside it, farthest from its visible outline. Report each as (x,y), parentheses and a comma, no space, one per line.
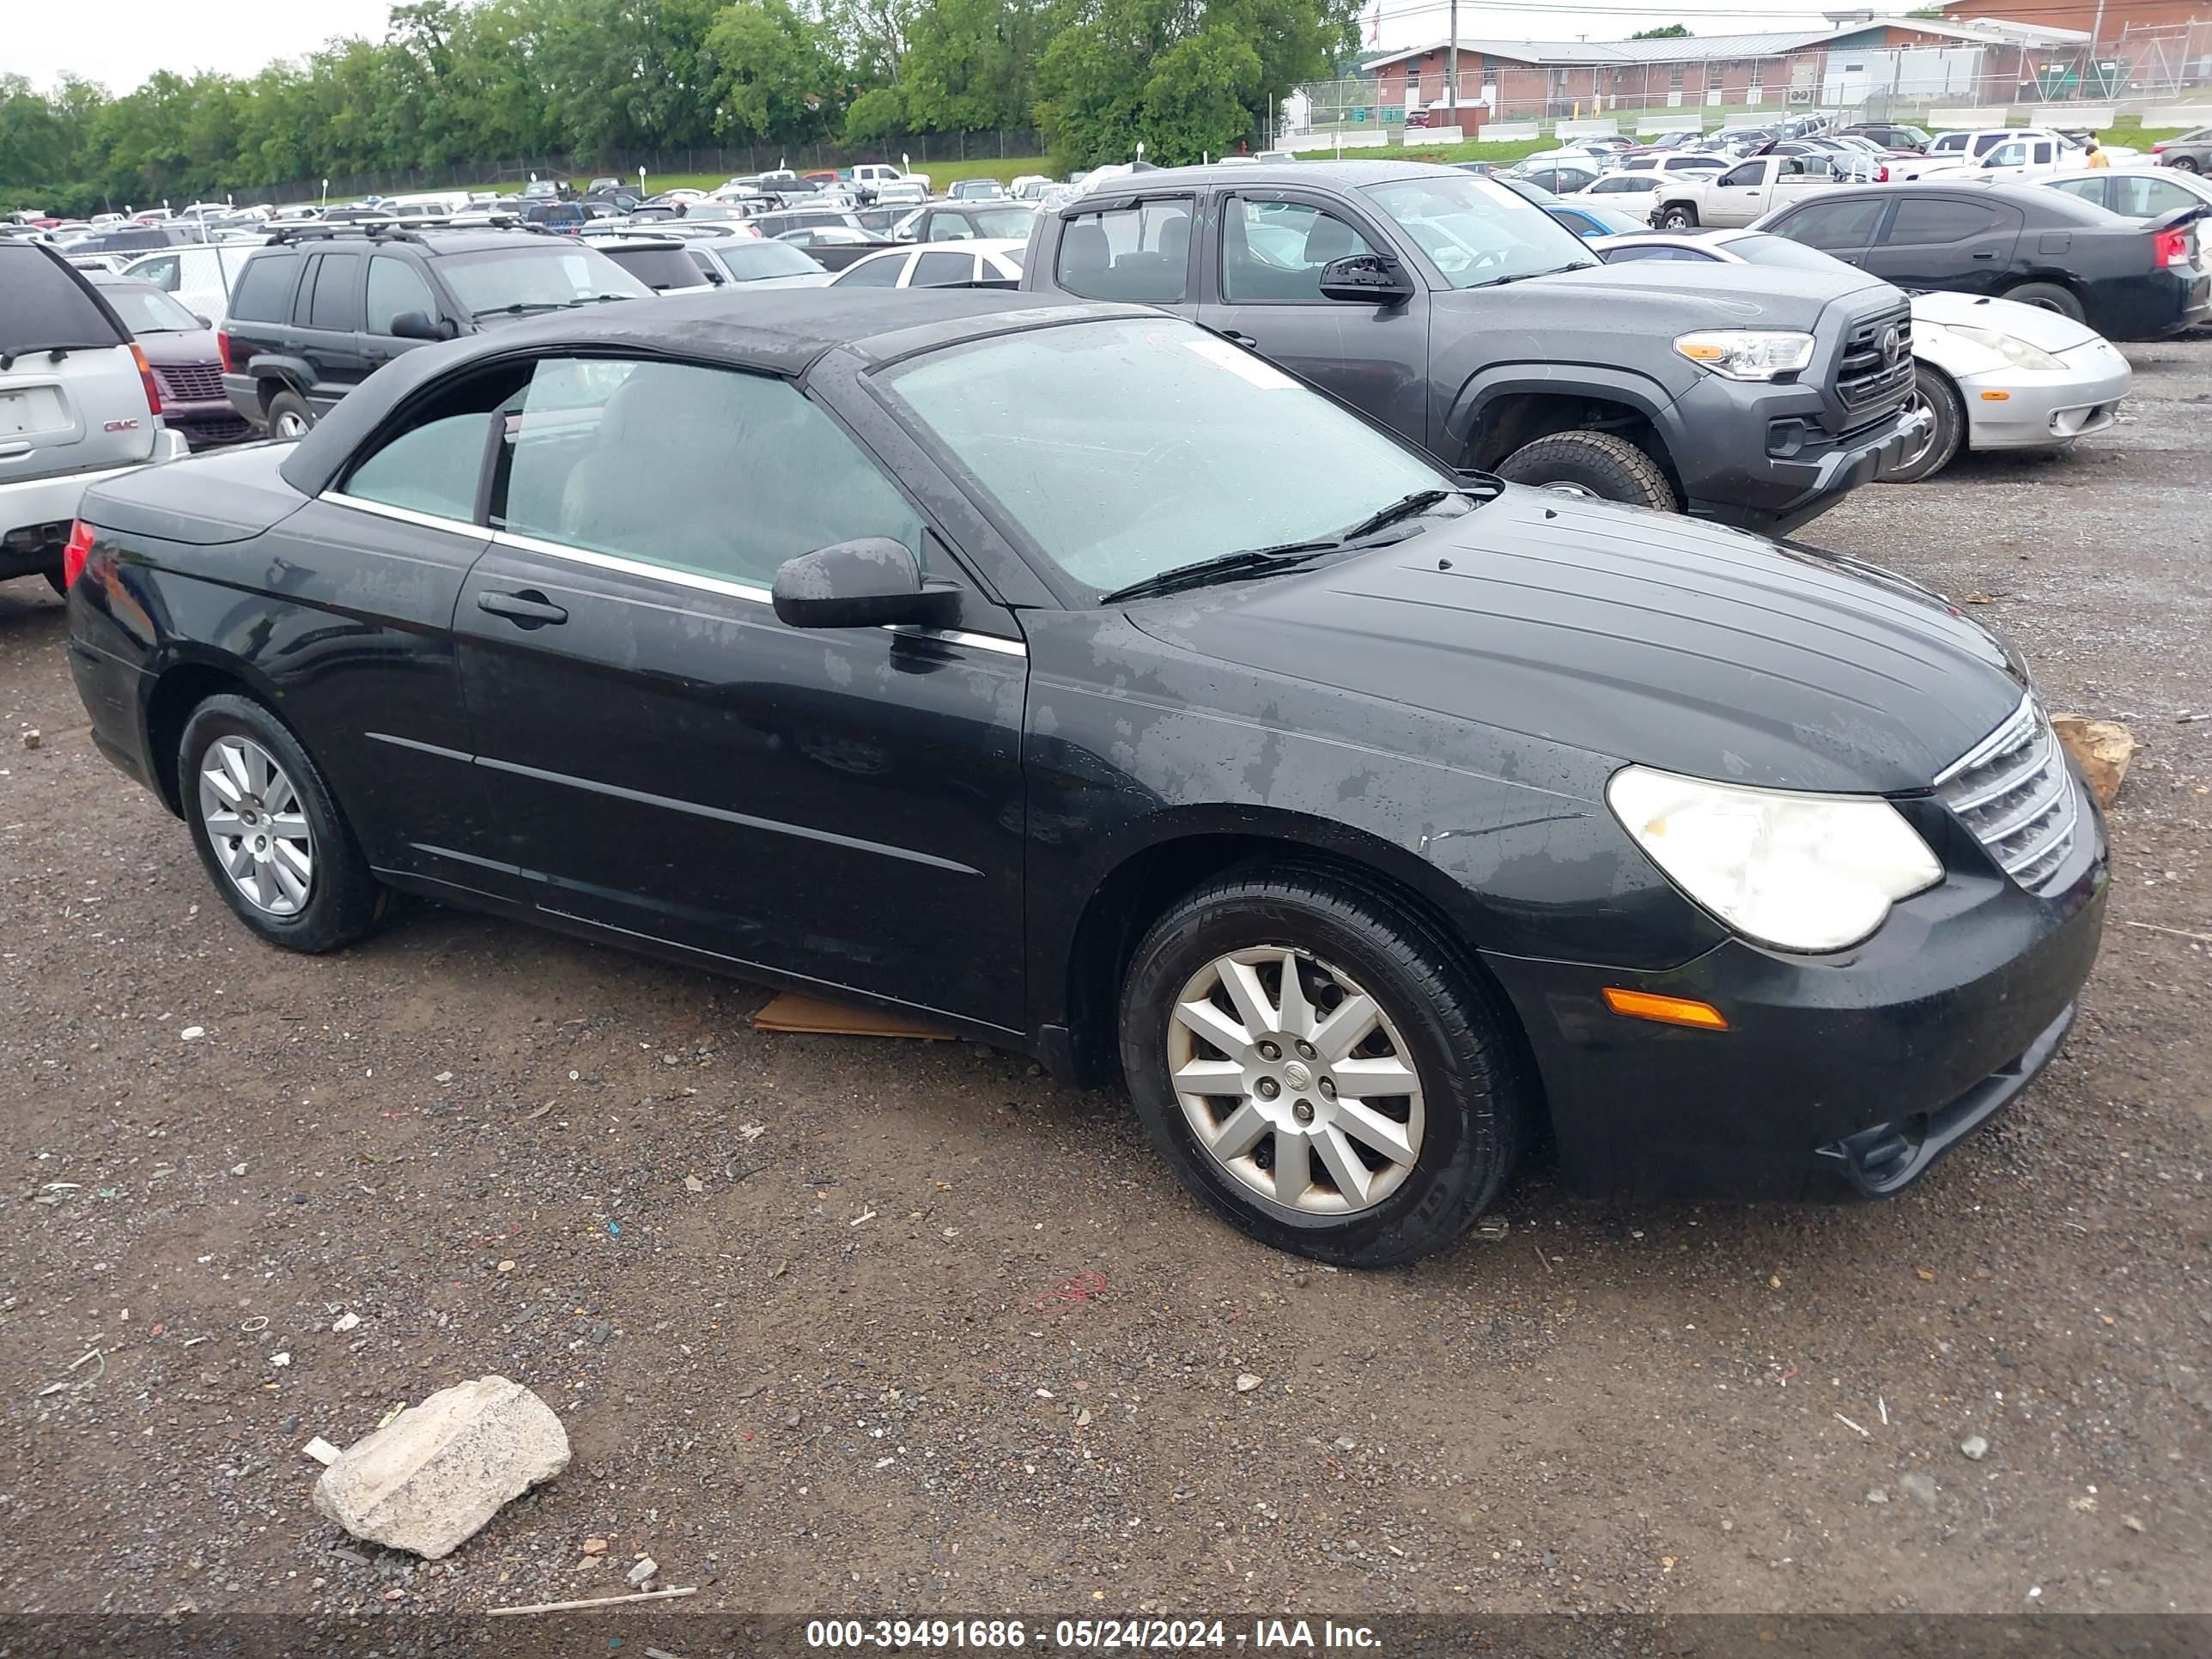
(840,1322)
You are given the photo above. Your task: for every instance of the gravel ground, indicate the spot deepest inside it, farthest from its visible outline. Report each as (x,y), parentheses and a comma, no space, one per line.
(847,1324)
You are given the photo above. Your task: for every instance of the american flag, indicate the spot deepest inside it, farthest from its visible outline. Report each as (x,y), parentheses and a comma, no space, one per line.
(1375,25)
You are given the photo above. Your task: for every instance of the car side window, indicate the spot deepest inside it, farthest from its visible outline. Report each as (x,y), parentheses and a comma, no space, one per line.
(163,272)
(395,288)
(2140,197)
(709,471)
(1139,252)
(336,304)
(1923,220)
(2007,155)
(1630,253)
(877,270)
(937,269)
(1848,224)
(949,228)
(2091,189)
(1273,252)
(435,463)
(263,293)
(1751,172)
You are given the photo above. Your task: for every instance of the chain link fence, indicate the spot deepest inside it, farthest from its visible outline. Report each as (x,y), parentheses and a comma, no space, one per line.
(2136,71)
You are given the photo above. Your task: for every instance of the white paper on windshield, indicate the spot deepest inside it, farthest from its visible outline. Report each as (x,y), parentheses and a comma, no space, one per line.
(1242,364)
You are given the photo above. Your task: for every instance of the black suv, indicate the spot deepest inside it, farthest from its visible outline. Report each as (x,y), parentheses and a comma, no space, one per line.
(1461,315)
(317,311)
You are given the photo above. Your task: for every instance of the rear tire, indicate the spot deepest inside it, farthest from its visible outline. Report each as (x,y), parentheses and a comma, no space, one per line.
(1380,1177)
(1678,216)
(2184,164)
(2049,296)
(288,415)
(324,897)
(1932,390)
(1600,464)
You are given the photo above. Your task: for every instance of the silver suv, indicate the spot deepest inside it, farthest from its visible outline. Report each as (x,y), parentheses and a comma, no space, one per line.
(78,405)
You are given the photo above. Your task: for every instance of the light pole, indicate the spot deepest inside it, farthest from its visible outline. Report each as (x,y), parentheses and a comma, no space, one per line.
(326,192)
(1451,69)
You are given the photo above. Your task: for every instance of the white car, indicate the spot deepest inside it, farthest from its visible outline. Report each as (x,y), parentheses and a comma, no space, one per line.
(201,277)
(936,264)
(2003,151)
(1991,373)
(2139,191)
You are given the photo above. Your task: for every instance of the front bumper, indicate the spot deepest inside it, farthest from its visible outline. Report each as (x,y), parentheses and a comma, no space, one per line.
(2045,410)
(1839,1075)
(1764,462)
(207,423)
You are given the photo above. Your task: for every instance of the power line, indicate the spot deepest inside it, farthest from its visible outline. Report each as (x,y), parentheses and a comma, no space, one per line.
(1813,22)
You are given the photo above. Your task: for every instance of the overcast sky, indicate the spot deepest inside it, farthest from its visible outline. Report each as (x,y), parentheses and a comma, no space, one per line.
(121,42)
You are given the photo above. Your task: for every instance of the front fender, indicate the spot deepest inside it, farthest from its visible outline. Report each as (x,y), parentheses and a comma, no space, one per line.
(1463,422)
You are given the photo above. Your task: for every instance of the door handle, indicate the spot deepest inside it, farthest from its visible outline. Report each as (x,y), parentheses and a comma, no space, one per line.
(9,451)
(528,609)
(1987,254)
(1244,340)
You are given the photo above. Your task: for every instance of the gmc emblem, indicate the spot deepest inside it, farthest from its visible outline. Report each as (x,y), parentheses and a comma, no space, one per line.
(122,426)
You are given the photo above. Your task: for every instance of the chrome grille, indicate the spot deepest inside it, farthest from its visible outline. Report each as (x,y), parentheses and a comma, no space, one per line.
(189,383)
(2015,791)
(1867,376)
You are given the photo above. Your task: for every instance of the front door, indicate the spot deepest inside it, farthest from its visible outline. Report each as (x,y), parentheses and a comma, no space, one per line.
(1741,194)
(1260,287)
(669,760)
(328,314)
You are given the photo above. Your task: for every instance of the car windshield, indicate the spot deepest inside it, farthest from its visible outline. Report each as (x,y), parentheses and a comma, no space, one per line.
(1477,232)
(749,261)
(658,268)
(497,279)
(1128,447)
(146,310)
(1005,224)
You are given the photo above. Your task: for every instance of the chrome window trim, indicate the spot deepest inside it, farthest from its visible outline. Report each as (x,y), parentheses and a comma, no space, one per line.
(748,591)
(405,514)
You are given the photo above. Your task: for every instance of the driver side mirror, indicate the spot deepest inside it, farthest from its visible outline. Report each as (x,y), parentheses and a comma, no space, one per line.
(872,582)
(414,325)
(1366,278)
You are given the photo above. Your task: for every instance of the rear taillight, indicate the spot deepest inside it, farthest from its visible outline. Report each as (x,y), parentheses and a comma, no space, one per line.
(2170,247)
(75,553)
(2159,148)
(146,379)
(1882,173)
(222,351)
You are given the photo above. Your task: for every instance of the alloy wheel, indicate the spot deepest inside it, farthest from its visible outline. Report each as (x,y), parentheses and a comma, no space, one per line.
(1296,1081)
(1922,407)
(254,819)
(289,425)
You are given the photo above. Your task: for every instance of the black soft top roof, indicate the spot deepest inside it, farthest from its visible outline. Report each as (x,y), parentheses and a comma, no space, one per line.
(782,332)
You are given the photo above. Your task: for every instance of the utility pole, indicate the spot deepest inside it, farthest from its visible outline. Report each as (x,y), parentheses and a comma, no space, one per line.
(1451,71)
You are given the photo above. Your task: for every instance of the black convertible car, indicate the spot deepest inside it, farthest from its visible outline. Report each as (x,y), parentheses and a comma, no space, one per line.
(1071,675)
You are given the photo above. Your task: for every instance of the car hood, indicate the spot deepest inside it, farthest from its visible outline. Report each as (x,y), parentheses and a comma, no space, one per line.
(1635,635)
(1661,294)
(188,345)
(2038,327)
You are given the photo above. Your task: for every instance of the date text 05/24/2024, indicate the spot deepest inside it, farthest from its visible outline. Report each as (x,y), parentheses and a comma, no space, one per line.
(1092,1635)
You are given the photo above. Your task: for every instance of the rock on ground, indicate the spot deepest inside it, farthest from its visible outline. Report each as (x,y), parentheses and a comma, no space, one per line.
(430,1478)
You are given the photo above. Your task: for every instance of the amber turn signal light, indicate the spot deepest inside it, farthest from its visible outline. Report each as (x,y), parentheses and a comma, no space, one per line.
(1667,1011)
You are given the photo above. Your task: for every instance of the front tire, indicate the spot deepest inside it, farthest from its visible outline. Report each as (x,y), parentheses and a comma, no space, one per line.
(1601,464)
(2184,164)
(1679,216)
(1315,1073)
(1932,390)
(272,838)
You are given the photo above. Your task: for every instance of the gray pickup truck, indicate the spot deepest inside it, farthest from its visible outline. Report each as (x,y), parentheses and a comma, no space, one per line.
(78,405)
(1462,316)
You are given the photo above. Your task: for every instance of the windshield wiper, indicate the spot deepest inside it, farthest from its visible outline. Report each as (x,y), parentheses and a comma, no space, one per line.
(14,354)
(520,307)
(1226,567)
(1405,507)
(600,299)
(1525,275)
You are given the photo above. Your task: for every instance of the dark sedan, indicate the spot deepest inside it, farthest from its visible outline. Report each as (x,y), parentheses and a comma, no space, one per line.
(1061,673)
(186,361)
(2129,279)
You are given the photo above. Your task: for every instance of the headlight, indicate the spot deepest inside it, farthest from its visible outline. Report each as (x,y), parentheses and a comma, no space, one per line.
(2011,347)
(1804,872)
(1747,354)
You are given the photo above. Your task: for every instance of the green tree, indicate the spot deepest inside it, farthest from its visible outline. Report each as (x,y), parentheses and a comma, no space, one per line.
(877,115)
(1672,32)
(776,75)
